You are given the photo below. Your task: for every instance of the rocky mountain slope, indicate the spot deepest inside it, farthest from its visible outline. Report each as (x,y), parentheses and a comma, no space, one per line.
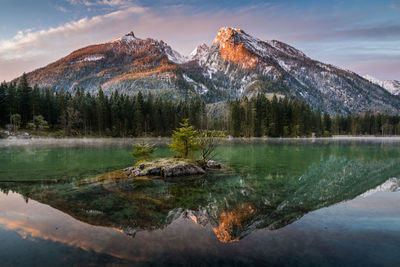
(127,64)
(238,64)
(235,65)
(392,86)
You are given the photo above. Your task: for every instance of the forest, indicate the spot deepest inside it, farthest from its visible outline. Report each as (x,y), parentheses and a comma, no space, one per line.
(116,115)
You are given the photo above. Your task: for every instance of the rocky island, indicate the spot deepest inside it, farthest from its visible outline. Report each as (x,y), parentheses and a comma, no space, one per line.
(171,167)
(185,141)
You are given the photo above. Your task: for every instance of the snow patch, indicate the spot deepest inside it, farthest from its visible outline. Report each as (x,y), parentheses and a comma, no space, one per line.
(284,48)
(284,65)
(392,86)
(188,79)
(199,52)
(174,56)
(202,87)
(93,58)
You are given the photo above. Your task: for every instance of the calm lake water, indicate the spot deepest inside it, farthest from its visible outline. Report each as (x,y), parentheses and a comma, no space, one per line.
(279,202)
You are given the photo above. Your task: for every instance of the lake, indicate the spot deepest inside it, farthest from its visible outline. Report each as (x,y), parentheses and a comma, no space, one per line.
(281,202)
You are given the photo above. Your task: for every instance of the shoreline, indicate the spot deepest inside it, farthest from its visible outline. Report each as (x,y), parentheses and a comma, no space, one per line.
(123,142)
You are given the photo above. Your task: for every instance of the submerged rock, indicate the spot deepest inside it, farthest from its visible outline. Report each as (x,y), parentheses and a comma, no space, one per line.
(170,167)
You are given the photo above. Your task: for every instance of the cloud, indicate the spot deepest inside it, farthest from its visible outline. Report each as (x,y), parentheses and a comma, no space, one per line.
(31,49)
(388,68)
(378,33)
(73,2)
(62,9)
(183,27)
(112,3)
(395,6)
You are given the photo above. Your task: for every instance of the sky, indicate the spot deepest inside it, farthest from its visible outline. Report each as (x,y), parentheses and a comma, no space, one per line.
(359,35)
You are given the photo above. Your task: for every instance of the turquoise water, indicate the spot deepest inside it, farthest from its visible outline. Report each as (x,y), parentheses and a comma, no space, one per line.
(279,202)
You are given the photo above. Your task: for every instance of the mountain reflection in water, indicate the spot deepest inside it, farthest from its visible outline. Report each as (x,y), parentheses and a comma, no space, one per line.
(266,188)
(232,204)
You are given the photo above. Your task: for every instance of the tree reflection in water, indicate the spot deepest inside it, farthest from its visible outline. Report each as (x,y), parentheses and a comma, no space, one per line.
(233,204)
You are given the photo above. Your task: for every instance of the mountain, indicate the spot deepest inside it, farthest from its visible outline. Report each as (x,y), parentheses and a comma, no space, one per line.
(239,64)
(235,65)
(199,52)
(392,86)
(127,64)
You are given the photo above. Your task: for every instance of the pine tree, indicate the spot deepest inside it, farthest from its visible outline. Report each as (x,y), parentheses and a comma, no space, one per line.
(3,107)
(185,140)
(101,102)
(138,115)
(143,151)
(24,93)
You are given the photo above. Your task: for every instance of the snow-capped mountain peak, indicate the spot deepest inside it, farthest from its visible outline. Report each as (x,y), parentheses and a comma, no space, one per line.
(226,33)
(237,60)
(233,36)
(199,52)
(236,64)
(372,79)
(392,86)
(285,48)
(173,55)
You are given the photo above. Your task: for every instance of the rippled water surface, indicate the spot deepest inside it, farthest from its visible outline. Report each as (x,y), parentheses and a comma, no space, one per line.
(278,202)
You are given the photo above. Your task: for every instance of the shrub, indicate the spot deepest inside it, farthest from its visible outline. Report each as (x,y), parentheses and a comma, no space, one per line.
(143,151)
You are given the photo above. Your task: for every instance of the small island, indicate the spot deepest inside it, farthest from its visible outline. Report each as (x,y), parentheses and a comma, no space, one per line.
(186,140)
(170,167)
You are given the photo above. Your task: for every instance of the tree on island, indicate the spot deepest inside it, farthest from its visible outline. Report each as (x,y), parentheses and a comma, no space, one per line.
(209,141)
(185,140)
(143,151)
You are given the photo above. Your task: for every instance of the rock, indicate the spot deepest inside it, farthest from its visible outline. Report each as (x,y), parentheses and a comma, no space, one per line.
(129,169)
(154,171)
(170,167)
(182,169)
(137,172)
(211,164)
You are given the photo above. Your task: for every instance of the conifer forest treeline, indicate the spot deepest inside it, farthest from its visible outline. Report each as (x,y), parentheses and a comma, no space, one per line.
(22,106)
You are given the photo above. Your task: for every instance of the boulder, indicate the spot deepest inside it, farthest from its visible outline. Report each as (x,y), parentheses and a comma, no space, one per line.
(211,164)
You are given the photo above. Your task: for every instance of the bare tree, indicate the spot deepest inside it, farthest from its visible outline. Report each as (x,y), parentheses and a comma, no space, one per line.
(209,141)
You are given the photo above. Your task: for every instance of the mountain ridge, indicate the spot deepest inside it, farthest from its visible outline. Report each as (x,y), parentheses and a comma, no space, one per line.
(392,86)
(235,65)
